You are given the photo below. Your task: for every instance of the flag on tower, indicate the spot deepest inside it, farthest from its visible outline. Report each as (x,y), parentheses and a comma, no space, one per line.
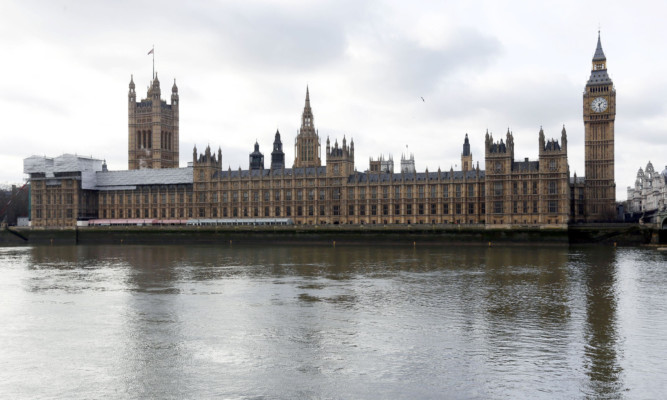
(150,52)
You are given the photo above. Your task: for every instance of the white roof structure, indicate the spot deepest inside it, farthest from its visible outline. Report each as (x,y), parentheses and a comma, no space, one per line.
(124,180)
(95,177)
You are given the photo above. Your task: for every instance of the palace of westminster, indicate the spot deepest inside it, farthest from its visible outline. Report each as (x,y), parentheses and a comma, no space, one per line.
(69,189)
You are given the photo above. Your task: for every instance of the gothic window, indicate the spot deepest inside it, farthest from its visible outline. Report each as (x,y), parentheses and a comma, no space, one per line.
(471,208)
(553,206)
(497,188)
(498,207)
(471,190)
(553,187)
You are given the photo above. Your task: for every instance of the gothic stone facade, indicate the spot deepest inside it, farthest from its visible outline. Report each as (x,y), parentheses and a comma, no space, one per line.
(509,193)
(152,128)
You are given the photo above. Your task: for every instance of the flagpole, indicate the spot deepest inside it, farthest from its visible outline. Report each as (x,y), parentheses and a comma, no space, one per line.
(153,51)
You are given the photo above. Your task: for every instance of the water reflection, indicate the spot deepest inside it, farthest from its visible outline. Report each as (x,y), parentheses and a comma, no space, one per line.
(602,363)
(317,321)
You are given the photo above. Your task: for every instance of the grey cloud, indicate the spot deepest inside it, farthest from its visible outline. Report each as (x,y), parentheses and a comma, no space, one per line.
(33,102)
(409,67)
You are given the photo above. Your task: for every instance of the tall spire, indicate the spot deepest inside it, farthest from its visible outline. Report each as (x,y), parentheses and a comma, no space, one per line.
(466,146)
(307,116)
(599,54)
(307,144)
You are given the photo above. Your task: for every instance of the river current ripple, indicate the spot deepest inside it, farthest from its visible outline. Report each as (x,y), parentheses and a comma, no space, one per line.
(372,322)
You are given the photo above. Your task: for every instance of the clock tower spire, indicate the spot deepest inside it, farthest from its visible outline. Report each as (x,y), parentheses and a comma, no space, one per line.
(599,103)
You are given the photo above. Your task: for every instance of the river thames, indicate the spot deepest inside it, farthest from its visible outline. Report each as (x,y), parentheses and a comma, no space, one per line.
(371,322)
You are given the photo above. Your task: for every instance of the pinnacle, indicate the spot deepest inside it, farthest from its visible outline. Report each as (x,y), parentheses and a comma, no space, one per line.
(599,54)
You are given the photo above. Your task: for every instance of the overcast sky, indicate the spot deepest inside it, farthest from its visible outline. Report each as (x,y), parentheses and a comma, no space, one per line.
(242,70)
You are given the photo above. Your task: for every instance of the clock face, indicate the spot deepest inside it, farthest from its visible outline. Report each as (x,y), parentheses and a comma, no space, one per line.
(599,104)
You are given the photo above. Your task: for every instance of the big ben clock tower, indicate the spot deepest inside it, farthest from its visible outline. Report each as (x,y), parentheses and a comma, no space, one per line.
(599,115)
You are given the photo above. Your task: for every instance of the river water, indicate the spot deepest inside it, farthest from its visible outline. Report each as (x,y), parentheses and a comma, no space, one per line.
(375,322)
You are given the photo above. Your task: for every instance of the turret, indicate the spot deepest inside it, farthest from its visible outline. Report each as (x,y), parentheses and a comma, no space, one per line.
(563,138)
(277,155)
(174,94)
(256,159)
(541,139)
(132,95)
(466,155)
(339,160)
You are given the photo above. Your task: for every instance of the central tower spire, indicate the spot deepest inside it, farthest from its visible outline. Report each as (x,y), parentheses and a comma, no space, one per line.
(307,143)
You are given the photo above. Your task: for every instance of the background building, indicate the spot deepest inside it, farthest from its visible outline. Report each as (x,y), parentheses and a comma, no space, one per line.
(649,194)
